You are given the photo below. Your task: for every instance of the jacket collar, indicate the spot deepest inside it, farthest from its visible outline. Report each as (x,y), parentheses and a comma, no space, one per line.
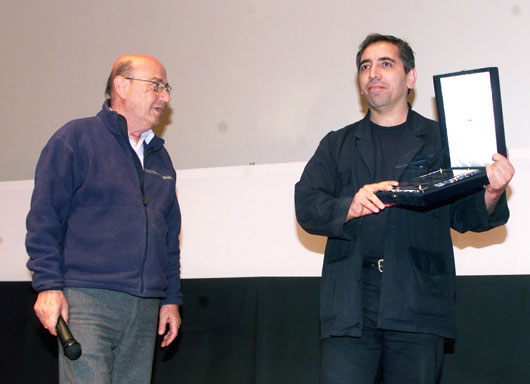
(411,142)
(117,124)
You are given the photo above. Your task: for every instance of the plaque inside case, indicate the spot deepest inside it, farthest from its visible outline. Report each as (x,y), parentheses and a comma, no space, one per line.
(472,129)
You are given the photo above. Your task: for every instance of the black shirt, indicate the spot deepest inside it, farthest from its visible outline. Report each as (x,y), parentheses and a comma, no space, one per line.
(386,146)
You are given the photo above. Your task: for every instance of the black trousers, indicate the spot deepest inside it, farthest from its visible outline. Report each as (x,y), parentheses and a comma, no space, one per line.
(380,355)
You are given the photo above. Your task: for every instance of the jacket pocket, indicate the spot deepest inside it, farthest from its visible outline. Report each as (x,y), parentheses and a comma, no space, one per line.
(339,292)
(432,282)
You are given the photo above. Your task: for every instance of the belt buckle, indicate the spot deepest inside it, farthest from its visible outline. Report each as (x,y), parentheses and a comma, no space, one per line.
(380,265)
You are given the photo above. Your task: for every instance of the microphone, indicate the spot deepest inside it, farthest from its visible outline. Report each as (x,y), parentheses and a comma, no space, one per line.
(71,348)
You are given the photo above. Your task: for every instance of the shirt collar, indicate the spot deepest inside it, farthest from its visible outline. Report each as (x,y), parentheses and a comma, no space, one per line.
(147,136)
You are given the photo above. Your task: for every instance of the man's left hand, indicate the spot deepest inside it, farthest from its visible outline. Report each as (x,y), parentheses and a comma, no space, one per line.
(499,175)
(168,323)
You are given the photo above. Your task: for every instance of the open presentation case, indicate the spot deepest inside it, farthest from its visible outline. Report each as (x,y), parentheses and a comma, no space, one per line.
(472,129)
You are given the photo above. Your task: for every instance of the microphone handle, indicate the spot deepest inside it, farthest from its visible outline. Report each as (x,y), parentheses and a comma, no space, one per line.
(71,348)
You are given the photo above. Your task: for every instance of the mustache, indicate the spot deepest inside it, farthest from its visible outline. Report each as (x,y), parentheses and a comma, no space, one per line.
(378,83)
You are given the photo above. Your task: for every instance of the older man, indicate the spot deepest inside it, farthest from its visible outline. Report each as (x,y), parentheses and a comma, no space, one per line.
(103,230)
(387,320)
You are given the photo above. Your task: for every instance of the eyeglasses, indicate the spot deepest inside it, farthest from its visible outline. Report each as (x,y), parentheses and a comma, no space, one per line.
(158,86)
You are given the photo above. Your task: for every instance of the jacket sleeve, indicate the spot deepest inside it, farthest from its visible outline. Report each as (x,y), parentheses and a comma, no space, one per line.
(50,204)
(471,214)
(173,291)
(320,209)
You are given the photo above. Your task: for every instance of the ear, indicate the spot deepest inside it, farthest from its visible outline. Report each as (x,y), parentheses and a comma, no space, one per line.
(411,78)
(121,86)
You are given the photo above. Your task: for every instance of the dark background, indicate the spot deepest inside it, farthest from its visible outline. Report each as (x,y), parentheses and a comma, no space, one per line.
(265,330)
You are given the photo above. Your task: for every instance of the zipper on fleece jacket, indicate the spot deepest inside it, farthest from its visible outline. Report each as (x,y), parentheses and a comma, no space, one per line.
(146,240)
(147,152)
(140,173)
(140,170)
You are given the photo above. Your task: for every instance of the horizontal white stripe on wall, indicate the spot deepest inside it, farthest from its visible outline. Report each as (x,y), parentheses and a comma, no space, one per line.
(240,222)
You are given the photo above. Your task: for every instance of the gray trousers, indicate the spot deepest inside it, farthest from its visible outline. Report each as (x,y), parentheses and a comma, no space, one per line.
(117,333)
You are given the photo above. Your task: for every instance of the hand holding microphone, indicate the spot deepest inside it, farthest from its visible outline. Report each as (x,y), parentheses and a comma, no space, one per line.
(48,305)
(71,348)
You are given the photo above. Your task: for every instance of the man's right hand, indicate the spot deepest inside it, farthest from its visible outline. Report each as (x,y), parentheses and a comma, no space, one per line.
(48,307)
(365,201)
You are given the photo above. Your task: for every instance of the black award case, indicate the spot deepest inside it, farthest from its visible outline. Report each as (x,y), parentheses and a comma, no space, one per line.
(472,129)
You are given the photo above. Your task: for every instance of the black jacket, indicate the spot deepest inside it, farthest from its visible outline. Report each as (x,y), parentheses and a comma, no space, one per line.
(418,283)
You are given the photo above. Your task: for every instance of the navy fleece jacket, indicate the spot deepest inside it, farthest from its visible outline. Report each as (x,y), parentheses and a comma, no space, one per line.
(97,219)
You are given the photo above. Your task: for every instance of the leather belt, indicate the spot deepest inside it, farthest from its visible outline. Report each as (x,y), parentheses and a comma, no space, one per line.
(374,264)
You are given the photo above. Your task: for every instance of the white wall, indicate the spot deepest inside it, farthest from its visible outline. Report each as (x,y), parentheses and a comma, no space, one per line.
(239,222)
(255,81)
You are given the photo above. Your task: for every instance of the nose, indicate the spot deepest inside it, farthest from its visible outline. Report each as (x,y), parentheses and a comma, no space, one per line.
(374,72)
(165,96)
